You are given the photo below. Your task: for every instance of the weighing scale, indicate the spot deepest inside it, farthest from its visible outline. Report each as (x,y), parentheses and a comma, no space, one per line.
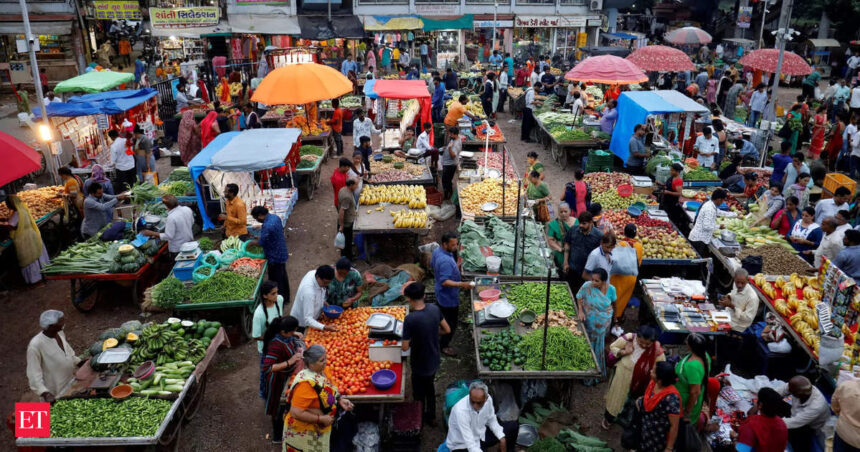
(485,319)
(189,251)
(111,357)
(384,326)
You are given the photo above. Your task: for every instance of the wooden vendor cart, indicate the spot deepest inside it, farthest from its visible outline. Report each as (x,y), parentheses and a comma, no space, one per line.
(381,223)
(167,437)
(309,177)
(85,287)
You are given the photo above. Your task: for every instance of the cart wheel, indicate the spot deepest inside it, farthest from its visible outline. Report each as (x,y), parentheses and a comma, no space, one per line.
(247,320)
(170,444)
(196,401)
(309,181)
(562,158)
(554,150)
(84,300)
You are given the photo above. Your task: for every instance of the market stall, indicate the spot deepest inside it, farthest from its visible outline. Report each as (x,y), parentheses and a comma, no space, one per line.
(120,398)
(390,210)
(681,307)
(309,169)
(362,347)
(84,121)
(509,335)
(563,134)
(489,245)
(227,160)
(392,93)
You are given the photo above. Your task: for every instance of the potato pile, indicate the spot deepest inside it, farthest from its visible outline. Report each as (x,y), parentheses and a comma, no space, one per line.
(414,169)
(40,201)
(473,196)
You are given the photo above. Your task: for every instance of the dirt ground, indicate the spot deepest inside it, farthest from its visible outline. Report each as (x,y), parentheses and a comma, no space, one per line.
(232,417)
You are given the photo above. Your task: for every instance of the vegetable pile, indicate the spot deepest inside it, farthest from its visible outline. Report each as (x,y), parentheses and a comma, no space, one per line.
(82,257)
(180,174)
(551,120)
(205,244)
(563,134)
(98,418)
(246,266)
(659,238)
(752,236)
(40,202)
(564,350)
(142,193)
(175,188)
(175,340)
(494,161)
(126,259)
(347,349)
(499,237)
(532,296)
(309,149)
(473,196)
(776,260)
(168,293)
(222,286)
(499,350)
(412,195)
(398,169)
(557,318)
(700,174)
(231,242)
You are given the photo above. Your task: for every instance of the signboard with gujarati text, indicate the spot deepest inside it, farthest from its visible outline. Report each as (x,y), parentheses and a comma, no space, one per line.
(196,16)
(116,10)
(549,21)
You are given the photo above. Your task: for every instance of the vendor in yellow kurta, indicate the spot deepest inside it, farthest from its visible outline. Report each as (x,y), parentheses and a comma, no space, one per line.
(635,355)
(236,216)
(624,284)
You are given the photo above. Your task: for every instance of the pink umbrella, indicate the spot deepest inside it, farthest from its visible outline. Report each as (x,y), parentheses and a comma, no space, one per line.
(607,69)
(661,58)
(688,35)
(765,60)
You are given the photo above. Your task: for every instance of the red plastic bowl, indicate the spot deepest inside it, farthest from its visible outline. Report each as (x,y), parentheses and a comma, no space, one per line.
(490,294)
(625,190)
(144,371)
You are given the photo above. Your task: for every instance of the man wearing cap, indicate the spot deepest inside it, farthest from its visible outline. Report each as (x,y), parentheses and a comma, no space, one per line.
(51,362)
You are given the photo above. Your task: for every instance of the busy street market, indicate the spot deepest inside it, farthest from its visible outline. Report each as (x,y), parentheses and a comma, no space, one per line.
(618,228)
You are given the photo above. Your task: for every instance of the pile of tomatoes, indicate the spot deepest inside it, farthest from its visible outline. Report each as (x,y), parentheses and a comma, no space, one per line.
(347,350)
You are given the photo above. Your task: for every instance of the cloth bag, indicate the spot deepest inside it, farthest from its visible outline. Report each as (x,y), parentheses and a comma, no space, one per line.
(625,261)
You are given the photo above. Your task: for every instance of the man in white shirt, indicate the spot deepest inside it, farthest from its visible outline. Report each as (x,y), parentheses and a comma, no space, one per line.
(707,145)
(50,98)
(470,421)
(362,126)
(830,207)
(311,298)
(577,107)
(181,97)
(842,217)
(853,64)
(703,229)
(831,243)
(504,82)
(178,229)
(528,114)
(534,77)
(51,361)
(742,302)
(809,413)
(122,158)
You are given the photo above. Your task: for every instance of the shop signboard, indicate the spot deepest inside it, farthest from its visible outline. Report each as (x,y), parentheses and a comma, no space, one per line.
(196,16)
(744,16)
(437,9)
(116,10)
(262,2)
(498,24)
(549,21)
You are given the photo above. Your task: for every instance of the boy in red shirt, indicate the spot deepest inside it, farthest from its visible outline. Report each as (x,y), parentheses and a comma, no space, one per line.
(336,123)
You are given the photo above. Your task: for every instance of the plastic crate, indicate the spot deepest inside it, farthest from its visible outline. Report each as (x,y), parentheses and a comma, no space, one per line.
(832,181)
(600,157)
(598,169)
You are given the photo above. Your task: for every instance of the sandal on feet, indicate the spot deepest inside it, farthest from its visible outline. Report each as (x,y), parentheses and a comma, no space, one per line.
(448,351)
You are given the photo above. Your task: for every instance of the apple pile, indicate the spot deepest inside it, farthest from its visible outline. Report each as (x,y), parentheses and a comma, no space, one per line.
(734,204)
(659,238)
(605,181)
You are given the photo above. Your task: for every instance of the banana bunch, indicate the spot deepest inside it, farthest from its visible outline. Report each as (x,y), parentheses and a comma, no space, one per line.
(769,290)
(779,282)
(760,280)
(813,282)
(796,280)
(413,195)
(781,307)
(405,218)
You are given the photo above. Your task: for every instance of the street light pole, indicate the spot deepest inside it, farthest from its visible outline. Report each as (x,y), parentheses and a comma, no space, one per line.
(37,82)
(782,35)
(495,15)
(763,19)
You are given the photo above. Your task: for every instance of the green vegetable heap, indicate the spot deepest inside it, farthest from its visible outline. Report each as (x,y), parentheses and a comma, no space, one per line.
(223,286)
(168,293)
(564,350)
(700,174)
(175,188)
(532,296)
(499,350)
(171,341)
(563,134)
(100,418)
(310,149)
(142,193)
(205,244)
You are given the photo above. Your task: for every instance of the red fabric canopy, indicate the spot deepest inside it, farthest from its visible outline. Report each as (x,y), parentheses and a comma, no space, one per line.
(607,69)
(765,60)
(19,159)
(401,89)
(661,58)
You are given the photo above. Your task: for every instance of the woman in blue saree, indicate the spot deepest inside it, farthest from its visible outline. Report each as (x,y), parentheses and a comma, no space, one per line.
(595,301)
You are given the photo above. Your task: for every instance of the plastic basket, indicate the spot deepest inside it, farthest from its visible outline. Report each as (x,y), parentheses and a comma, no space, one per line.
(832,181)
(246,253)
(625,190)
(199,275)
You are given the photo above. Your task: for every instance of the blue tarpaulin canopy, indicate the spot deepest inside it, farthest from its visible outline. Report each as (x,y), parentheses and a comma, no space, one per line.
(633,108)
(619,35)
(368,89)
(108,102)
(241,152)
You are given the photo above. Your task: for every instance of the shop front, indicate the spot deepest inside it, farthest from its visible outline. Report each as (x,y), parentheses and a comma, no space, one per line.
(181,31)
(449,35)
(58,48)
(559,36)
(480,37)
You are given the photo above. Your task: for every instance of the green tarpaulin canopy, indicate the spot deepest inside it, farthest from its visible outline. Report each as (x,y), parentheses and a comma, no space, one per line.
(94,82)
(463,22)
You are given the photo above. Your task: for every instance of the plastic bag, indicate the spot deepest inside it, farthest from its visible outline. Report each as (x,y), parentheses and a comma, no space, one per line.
(625,261)
(508,409)
(830,350)
(441,213)
(340,241)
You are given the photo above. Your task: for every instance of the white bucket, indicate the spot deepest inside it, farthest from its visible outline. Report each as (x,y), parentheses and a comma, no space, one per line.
(494,263)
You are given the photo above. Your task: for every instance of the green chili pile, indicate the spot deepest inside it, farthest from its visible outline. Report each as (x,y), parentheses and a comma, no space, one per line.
(223,286)
(99,418)
(564,350)
(532,295)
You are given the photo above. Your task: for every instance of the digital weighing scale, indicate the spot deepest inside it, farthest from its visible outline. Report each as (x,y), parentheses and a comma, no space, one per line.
(384,326)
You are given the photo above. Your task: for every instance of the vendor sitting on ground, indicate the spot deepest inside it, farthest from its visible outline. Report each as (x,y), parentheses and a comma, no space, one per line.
(311,299)
(344,288)
(742,302)
(472,425)
(809,413)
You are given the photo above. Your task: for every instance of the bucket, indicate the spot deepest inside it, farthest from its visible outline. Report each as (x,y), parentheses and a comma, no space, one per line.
(493,264)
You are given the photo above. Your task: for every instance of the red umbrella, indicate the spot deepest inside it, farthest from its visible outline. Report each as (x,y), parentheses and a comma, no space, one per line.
(607,69)
(19,159)
(765,60)
(688,35)
(661,58)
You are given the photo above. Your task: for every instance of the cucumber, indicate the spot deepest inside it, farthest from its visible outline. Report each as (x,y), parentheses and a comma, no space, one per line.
(173,388)
(165,393)
(174,381)
(132,380)
(149,392)
(135,386)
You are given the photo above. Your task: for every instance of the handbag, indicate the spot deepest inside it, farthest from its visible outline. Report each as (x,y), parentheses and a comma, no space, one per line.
(631,437)
(624,261)
(542,213)
(688,439)
(611,359)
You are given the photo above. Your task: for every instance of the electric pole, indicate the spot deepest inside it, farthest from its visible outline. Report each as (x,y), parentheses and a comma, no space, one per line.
(782,34)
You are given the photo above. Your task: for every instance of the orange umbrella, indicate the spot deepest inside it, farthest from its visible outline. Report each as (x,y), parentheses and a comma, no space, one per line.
(298,84)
